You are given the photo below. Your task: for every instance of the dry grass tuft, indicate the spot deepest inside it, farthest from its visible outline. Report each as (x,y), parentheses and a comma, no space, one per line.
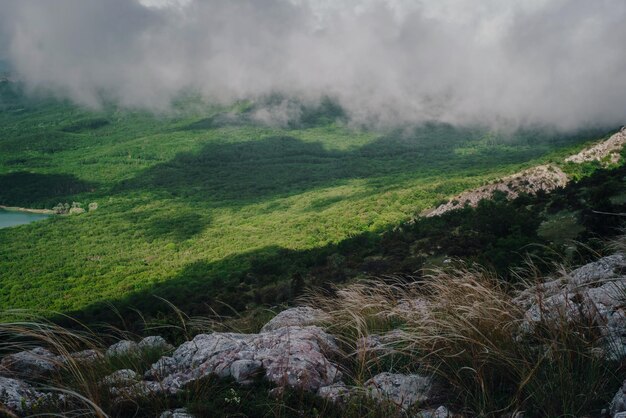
(462,326)
(79,381)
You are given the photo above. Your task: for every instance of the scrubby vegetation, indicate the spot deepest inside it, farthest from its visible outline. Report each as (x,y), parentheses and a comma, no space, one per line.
(208,203)
(459,324)
(567,226)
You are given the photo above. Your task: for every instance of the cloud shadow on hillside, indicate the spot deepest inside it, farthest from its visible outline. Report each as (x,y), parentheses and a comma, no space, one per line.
(35,189)
(202,287)
(174,226)
(281,166)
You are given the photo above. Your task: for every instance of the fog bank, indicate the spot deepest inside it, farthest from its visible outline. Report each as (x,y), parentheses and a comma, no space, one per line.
(558,63)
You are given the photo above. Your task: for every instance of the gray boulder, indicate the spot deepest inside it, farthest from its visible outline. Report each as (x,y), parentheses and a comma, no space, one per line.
(121,378)
(441,412)
(176,413)
(243,371)
(618,404)
(594,291)
(19,396)
(301,316)
(122,348)
(337,392)
(403,390)
(289,356)
(30,364)
(136,389)
(127,384)
(164,366)
(124,383)
(86,356)
(155,342)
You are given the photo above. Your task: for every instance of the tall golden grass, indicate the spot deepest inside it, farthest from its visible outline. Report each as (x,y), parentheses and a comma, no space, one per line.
(462,326)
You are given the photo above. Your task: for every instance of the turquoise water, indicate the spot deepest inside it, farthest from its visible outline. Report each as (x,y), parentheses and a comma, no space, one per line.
(11,218)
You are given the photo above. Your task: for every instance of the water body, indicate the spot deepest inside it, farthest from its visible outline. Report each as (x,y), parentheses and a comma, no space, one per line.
(10,218)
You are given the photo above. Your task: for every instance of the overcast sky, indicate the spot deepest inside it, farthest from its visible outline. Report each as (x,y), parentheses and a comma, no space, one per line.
(560,63)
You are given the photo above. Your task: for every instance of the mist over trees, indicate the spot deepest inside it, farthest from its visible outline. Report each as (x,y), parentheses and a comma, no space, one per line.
(501,64)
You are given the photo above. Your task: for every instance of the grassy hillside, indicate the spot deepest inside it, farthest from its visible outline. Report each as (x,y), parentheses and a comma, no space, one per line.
(466,318)
(203,196)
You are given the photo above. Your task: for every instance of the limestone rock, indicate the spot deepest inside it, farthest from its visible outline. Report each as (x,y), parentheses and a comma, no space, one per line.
(337,392)
(441,412)
(86,356)
(244,370)
(127,384)
(122,348)
(618,404)
(121,378)
(301,316)
(18,396)
(165,366)
(155,342)
(290,356)
(543,177)
(609,150)
(176,413)
(594,291)
(403,390)
(141,389)
(30,364)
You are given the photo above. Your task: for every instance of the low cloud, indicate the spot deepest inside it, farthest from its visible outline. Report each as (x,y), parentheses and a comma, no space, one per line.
(557,63)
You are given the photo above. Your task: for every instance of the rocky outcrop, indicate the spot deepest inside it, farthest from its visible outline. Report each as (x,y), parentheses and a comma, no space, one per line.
(595,291)
(30,364)
(618,404)
(155,343)
(39,363)
(297,356)
(85,356)
(122,383)
(608,150)
(441,412)
(337,392)
(289,352)
(543,177)
(176,413)
(290,356)
(300,316)
(19,396)
(122,378)
(244,371)
(123,348)
(127,347)
(403,390)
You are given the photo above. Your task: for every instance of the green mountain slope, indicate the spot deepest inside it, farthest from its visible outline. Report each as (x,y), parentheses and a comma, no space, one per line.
(203,194)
